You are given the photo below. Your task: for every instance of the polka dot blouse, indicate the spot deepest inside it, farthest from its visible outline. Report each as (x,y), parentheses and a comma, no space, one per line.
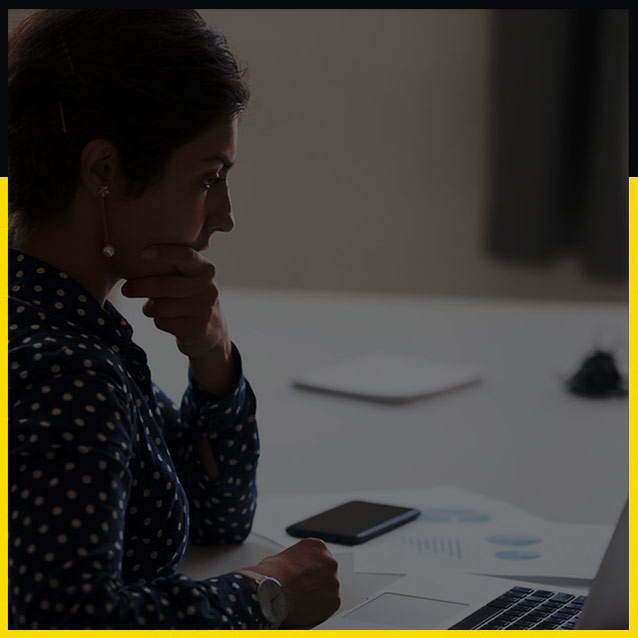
(106,487)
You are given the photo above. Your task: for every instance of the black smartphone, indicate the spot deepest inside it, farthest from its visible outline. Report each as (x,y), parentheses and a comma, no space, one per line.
(353,522)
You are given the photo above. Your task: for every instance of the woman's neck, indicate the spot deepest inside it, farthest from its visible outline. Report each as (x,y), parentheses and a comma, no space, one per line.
(70,249)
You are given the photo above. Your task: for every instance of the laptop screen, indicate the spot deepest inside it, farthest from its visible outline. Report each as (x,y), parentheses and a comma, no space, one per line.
(607,606)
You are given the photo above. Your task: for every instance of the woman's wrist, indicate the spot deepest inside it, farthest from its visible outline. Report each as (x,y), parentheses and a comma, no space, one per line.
(216,372)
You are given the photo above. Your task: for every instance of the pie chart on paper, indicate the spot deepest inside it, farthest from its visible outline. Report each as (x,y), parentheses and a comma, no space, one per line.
(514,540)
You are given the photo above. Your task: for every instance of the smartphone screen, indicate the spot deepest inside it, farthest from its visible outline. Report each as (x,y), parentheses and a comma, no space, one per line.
(353,522)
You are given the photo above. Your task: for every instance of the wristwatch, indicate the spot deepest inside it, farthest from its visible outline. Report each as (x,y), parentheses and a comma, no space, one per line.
(270,596)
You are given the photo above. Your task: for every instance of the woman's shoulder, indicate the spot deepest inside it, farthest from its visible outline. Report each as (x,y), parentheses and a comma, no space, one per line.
(61,377)
(41,346)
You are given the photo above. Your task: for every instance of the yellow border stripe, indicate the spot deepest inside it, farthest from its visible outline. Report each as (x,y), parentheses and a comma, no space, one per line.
(633,400)
(4,486)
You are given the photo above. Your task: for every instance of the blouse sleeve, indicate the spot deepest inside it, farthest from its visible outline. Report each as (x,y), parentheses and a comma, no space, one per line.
(70,443)
(220,511)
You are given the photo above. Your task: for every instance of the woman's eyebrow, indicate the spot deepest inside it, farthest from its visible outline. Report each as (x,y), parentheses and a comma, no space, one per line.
(226,163)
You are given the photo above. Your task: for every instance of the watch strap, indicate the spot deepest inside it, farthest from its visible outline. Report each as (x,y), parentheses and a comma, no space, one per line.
(256,576)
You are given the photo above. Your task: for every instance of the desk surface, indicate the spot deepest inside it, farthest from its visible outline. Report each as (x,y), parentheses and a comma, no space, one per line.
(518,435)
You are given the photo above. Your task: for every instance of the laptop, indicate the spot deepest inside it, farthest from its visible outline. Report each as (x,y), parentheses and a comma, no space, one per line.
(448,600)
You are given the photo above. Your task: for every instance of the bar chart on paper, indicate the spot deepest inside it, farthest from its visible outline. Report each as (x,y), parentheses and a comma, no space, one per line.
(437,545)
(448,537)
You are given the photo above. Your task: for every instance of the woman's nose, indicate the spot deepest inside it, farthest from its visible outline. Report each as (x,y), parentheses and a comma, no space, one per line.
(221,217)
(226,224)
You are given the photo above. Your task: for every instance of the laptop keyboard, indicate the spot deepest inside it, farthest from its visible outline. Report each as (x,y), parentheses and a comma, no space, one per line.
(524,608)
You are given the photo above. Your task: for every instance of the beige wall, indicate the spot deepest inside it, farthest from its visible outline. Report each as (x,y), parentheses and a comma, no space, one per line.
(362,160)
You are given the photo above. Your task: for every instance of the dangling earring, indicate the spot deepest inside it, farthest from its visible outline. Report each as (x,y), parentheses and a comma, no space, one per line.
(108,250)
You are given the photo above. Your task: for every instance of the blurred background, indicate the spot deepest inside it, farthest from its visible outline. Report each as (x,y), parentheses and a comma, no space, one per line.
(449,152)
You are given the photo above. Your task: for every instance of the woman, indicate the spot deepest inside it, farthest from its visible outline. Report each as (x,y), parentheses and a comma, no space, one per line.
(122,130)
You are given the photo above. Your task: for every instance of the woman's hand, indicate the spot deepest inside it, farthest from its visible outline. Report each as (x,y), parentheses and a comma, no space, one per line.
(185,302)
(307,572)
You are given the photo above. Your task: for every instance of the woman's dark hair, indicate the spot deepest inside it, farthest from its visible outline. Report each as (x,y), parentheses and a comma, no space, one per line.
(149,81)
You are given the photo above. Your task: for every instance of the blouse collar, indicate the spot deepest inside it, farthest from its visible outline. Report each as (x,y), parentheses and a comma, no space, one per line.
(60,298)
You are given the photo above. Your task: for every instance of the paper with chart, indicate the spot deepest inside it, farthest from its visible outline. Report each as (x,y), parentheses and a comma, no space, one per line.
(470,541)
(275,513)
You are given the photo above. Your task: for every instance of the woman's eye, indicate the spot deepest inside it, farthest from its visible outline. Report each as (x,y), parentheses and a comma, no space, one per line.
(208,183)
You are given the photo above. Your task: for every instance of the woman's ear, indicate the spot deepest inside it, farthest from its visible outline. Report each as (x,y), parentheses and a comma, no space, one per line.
(99,165)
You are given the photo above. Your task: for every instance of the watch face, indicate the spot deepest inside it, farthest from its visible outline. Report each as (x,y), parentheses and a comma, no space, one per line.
(273,601)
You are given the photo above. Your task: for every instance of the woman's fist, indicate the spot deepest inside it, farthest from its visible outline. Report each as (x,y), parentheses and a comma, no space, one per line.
(307,572)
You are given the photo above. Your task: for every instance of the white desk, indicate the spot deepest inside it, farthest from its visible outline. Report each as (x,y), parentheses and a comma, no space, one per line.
(518,435)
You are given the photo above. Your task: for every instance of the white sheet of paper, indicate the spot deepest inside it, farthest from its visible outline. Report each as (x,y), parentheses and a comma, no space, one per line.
(496,548)
(388,378)
(275,513)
